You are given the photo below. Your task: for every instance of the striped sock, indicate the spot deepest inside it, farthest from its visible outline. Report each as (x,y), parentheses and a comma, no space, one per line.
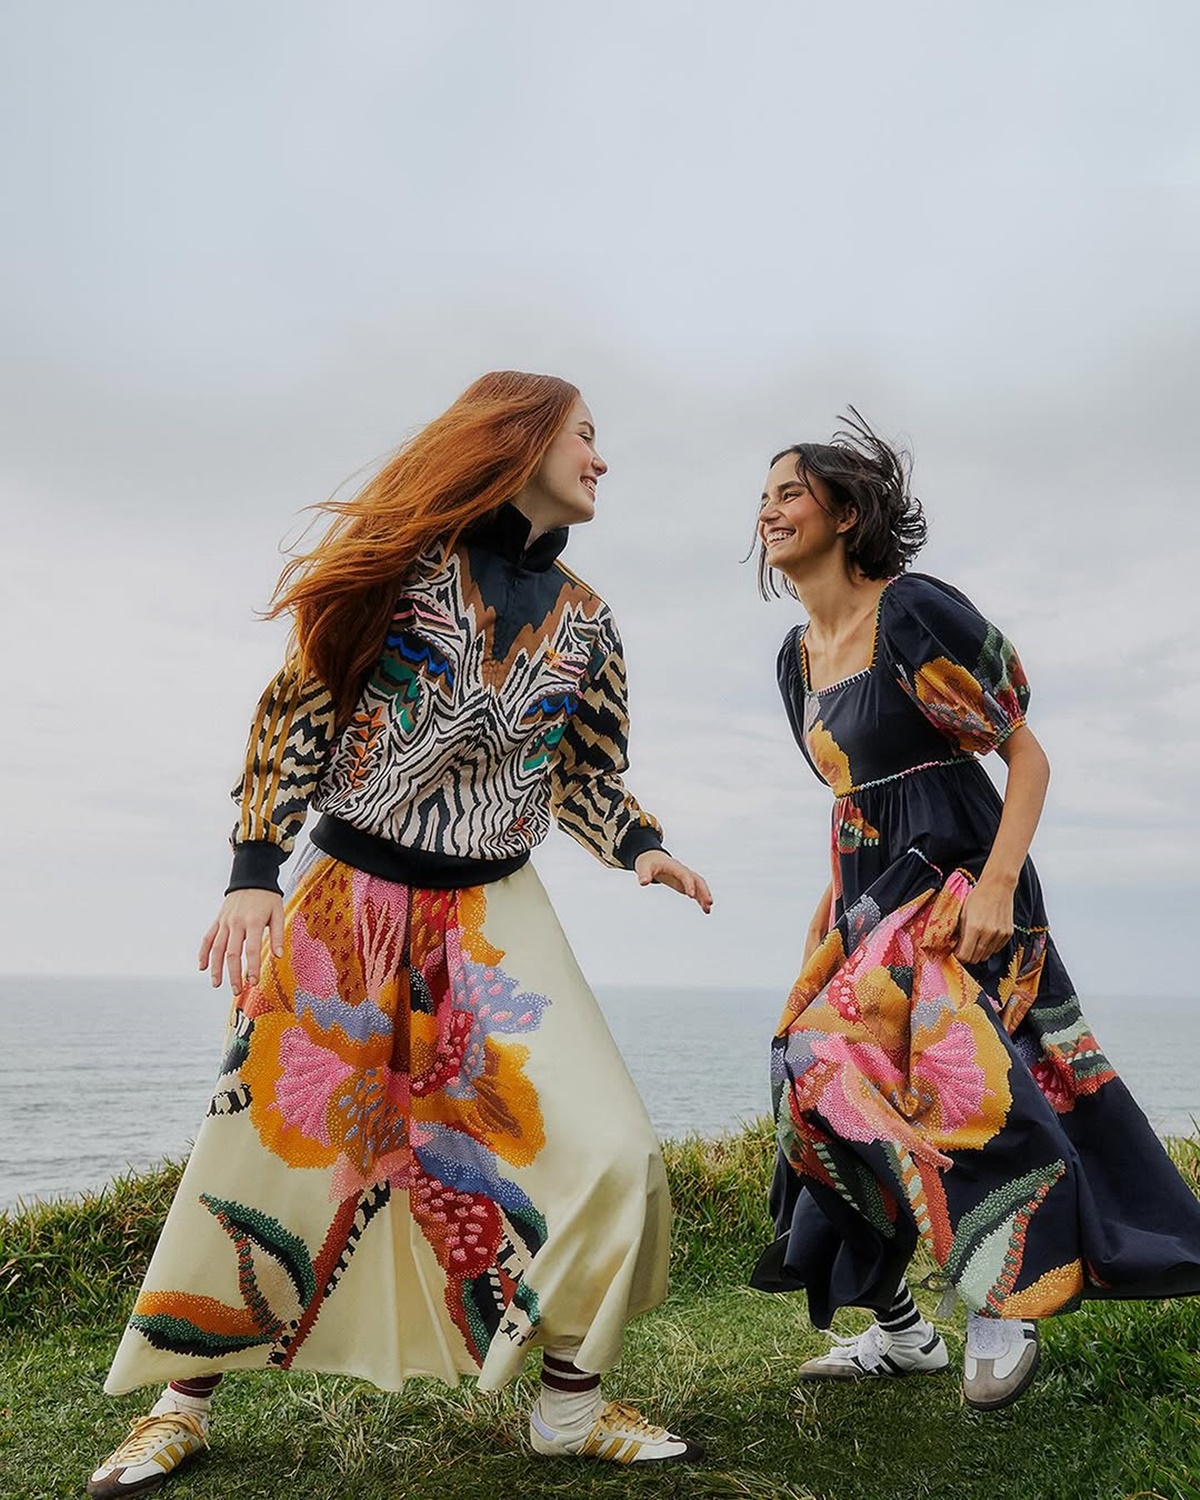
(193,1395)
(901,1314)
(569,1398)
(903,1323)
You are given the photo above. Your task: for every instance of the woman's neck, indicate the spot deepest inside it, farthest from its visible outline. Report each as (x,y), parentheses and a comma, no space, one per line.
(834,598)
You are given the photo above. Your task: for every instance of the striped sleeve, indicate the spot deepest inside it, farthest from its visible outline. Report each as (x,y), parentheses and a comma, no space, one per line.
(587,796)
(290,742)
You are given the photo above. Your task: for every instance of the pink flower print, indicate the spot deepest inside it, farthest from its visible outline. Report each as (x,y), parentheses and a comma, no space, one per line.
(463,1228)
(839,994)
(950,1068)
(381,936)
(860,1070)
(854,1086)
(312,963)
(455,1032)
(1054,1076)
(394,1168)
(310,1075)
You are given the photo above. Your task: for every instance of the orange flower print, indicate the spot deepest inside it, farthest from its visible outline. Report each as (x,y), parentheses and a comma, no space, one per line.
(383,1046)
(953,700)
(829,758)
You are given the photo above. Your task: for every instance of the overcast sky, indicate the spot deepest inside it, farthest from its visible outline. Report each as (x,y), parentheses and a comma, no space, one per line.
(249,247)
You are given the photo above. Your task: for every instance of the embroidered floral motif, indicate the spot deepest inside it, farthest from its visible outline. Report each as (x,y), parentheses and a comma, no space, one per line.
(383,1045)
(852,830)
(829,758)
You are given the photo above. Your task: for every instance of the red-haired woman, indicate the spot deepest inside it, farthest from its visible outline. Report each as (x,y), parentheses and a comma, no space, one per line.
(424,1154)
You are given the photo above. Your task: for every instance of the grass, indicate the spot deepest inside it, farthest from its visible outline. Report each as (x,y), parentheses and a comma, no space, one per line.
(1114,1415)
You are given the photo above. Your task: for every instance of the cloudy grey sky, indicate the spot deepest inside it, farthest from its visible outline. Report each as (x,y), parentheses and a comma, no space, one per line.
(248,247)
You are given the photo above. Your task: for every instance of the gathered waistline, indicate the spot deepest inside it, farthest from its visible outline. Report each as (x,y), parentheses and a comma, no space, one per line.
(928,765)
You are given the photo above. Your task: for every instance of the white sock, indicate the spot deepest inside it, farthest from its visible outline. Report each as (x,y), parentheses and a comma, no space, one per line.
(195,1406)
(569,1398)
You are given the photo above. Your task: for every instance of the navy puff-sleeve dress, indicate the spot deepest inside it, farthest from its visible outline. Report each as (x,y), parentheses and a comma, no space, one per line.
(920,1099)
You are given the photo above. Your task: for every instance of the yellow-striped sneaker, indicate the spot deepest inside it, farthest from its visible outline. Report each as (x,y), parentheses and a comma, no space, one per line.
(620,1434)
(156,1446)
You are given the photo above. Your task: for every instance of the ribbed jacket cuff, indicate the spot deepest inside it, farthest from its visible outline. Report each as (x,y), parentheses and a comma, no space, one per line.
(636,841)
(256,866)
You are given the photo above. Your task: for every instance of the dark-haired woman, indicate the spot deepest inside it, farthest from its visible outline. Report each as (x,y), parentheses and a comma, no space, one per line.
(423,1155)
(934,1078)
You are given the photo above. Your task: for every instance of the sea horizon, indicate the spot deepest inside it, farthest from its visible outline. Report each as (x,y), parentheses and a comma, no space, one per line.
(100,1075)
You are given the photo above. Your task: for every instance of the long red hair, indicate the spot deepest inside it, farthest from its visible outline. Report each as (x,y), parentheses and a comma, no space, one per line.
(467,462)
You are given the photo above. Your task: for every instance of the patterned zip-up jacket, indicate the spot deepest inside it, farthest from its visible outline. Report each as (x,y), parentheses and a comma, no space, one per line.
(498,700)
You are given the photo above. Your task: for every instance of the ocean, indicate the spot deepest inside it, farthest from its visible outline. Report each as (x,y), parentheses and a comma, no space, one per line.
(98,1076)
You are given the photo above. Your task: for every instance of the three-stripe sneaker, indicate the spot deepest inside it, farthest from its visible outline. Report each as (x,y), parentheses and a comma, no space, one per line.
(620,1434)
(156,1446)
(876,1352)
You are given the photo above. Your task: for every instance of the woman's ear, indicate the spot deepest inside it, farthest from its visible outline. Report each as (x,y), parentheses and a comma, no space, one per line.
(848,519)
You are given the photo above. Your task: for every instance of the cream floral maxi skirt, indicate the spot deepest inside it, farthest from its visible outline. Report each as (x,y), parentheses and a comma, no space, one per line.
(423,1155)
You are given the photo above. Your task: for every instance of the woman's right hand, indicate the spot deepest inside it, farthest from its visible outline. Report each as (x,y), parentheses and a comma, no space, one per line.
(813,940)
(241,922)
(818,928)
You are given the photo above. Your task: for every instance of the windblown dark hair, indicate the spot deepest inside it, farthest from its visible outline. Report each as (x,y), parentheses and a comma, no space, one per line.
(862,473)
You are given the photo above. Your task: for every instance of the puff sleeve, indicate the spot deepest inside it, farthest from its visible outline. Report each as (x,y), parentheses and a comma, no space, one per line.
(959,670)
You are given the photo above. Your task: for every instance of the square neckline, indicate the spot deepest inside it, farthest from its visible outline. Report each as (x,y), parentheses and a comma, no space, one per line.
(802,652)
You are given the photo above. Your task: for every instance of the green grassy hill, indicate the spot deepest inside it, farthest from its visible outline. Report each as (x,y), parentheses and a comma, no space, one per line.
(1115,1413)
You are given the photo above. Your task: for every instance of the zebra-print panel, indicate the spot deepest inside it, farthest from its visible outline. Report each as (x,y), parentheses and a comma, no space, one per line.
(291,737)
(588,798)
(466,733)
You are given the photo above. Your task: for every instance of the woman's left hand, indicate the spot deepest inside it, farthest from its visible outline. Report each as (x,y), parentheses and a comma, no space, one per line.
(986,921)
(656,867)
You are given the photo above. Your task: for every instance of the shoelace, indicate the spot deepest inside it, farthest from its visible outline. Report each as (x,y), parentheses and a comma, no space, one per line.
(989,1338)
(147,1433)
(867,1346)
(617,1414)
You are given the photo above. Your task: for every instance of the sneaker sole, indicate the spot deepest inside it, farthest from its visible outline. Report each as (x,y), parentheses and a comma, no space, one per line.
(849,1373)
(107,1491)
(693,1453)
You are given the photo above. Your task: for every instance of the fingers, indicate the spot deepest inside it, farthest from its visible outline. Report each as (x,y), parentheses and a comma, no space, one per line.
(671,873)
(233,946)
(233,956)
(206,943)
(216,944)
(976,945)
(277,929)
(255,932)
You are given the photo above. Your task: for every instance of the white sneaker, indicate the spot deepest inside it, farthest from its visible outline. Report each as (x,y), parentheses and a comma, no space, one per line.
(1000,1361)
(876,1353)
(156,1446)
(620,1433)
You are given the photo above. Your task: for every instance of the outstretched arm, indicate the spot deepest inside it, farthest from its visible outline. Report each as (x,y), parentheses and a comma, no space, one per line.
(589,799)
(987,915)
(657,867)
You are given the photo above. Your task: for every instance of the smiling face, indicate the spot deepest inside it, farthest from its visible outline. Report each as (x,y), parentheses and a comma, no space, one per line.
(563,490)
(798,524)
